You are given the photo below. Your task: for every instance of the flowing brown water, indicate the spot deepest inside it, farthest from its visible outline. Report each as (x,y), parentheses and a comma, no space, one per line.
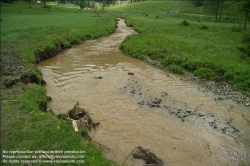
(125,124)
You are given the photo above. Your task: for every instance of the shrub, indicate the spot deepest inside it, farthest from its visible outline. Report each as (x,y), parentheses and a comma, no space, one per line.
(175,69)
(185,23)
(204,27)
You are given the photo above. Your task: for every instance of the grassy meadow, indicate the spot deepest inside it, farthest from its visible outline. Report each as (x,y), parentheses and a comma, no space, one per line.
(39,29)
(203,47)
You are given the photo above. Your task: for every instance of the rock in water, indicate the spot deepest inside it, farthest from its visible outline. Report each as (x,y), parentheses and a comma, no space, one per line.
(147,156)
(77,112)
(82,117)
(99,77)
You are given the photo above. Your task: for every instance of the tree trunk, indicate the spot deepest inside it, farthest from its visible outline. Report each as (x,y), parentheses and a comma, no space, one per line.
(222,3)
(217,12)
(45,5)
(245,21)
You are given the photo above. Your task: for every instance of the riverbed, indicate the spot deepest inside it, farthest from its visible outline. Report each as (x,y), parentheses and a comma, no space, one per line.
(138,104)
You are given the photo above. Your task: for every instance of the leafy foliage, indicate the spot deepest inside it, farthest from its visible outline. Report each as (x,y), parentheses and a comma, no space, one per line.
(185,23)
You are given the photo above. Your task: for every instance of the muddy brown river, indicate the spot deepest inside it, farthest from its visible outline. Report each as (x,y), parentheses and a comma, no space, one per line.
(153,108)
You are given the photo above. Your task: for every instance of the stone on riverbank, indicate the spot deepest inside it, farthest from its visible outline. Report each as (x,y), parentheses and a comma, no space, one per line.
(149,157)
(81,116)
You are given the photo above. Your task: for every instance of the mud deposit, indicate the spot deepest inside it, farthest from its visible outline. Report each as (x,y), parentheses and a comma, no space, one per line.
(140,105)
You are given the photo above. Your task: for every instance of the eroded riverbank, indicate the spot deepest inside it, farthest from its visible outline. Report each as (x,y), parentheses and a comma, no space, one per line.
(152,108)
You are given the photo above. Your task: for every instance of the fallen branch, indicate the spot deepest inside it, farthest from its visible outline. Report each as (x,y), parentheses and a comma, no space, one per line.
(100,144)
(48,156)
(75,125)
(96,142)
(129,155)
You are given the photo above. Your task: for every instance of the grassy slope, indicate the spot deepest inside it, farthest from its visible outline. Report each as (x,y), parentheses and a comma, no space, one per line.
(44,28)
(209,53)
(25,125)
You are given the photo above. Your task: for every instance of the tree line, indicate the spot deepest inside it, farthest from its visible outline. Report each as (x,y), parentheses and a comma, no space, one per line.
(81,3)
(216,7)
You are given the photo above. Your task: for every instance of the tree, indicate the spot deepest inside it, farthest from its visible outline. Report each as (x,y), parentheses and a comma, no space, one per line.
(8,1)
(29,1)
(216,7)
(63,1)
(82,4)
(44,3)
(246,10)
(220,7)
(197,3)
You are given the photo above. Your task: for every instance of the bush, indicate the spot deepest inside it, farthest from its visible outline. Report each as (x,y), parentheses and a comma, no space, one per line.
(175,69)
(185,23)
(205,73)
(204,27)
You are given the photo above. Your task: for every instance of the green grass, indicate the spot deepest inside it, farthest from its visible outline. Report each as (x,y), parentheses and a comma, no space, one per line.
(38,29)
(206,48)
(30,32)
(178,9)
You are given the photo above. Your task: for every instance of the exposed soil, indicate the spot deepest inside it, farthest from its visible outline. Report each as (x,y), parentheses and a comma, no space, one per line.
(11,63)
(48,53)
(14,69)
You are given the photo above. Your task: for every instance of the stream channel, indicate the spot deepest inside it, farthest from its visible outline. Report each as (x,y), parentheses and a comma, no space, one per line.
(153,108)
